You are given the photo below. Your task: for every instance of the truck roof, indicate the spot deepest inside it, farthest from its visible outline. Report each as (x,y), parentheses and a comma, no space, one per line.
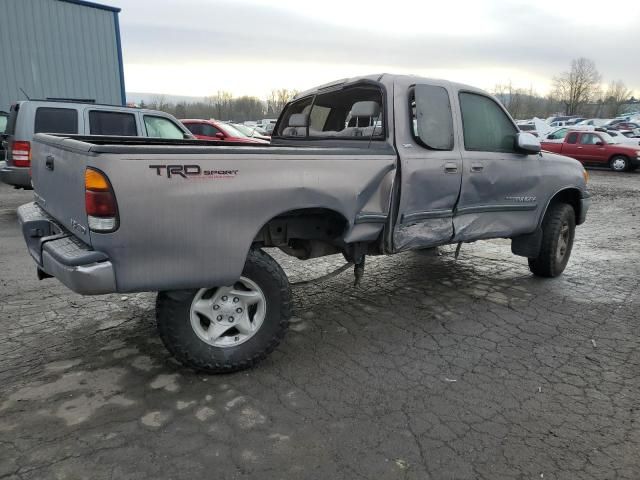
(388,78)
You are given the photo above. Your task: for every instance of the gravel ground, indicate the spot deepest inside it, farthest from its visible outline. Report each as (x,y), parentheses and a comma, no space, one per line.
(433,368)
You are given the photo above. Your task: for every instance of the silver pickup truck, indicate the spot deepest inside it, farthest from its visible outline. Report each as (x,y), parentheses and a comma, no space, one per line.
(365,166)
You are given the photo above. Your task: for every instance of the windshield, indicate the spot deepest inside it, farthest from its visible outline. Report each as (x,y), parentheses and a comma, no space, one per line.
(231,131)
(3,123)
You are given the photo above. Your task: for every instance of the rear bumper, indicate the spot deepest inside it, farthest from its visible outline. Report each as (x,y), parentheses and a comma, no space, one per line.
(16,176)
(60,254)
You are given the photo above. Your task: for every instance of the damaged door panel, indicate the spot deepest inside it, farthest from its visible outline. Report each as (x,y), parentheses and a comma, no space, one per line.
(500,185)
(431,167)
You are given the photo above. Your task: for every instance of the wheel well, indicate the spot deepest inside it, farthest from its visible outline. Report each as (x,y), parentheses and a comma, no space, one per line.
(304,233)
(570,196)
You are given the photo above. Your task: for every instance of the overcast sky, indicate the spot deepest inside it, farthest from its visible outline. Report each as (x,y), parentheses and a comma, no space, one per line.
(197,47)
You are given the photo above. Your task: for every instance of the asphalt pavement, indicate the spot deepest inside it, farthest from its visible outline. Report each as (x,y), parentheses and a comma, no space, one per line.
(432,369)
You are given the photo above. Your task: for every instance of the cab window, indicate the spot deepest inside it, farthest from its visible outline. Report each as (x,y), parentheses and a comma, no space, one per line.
(352,113)
(572,138)
(56,120)
(103,122)
(589,139)
(161,127)
(486,127)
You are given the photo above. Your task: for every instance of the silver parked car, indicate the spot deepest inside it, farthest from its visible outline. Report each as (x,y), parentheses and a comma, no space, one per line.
(29,117)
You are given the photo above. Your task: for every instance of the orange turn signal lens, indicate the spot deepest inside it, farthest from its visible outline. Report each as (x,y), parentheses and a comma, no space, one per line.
(585,174)
(95,181)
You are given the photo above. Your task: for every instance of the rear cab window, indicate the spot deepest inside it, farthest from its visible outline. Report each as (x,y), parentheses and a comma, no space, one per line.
(486,127)
(56,120)
(351,113)
(103,122)
(161,127)
(4,119)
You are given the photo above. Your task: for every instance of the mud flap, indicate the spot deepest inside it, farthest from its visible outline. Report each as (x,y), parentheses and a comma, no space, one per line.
(527,245)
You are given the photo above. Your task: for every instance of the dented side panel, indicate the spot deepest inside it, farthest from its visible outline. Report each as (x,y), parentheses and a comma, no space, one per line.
(194,229)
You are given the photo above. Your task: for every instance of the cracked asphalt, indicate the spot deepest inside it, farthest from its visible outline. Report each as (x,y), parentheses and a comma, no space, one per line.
(432,369)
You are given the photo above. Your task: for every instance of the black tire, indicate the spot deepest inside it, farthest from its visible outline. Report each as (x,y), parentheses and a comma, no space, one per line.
(553,258)
(619,163)
(173,314)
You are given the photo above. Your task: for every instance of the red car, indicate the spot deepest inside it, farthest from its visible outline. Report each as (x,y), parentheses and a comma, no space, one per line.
(212,130)
(598,149)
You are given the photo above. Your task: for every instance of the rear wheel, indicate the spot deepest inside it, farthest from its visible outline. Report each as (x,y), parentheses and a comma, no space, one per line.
(558,231)
(225,329)
(619,163)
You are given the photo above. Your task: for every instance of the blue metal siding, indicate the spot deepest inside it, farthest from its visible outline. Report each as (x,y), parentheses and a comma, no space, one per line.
(59,48)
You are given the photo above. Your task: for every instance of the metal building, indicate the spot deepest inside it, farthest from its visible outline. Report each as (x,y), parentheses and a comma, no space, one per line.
(60,49)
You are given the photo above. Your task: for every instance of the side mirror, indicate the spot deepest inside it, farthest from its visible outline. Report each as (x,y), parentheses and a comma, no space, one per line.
(527,143)
(220,136)
(599,144)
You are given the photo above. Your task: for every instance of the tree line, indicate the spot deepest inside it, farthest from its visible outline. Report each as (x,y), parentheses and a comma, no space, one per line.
(577,91)
(224,106)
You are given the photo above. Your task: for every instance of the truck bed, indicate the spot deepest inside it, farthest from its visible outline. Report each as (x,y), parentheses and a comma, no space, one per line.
(189,210)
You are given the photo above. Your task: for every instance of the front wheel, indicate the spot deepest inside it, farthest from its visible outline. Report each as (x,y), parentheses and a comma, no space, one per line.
(225,329)
(619,163)
(558,231)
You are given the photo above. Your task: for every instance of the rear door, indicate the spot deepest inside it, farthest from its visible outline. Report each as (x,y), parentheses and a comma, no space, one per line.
(431,166)
(499,190)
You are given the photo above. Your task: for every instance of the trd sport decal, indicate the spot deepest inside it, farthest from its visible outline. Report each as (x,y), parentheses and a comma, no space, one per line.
(191,171)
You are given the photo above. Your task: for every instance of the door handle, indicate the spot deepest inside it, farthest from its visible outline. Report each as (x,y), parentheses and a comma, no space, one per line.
(49,162)
(579,148)
(450,167)
(477,167)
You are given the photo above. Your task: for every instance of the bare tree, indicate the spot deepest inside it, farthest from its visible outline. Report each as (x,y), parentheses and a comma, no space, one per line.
(616,96)
(578,86)
(278,99)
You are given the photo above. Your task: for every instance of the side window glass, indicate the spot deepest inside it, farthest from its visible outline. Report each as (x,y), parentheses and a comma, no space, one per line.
(431,118)
(209,130)
(161,127)
(572,138)
(485,126)
(56,120)
(588,139)
(112,123)
(194,128)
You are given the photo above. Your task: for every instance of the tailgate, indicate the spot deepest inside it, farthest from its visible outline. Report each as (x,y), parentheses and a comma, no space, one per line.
(58,166)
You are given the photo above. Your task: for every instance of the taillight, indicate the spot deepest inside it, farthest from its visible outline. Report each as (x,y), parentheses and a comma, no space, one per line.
(100,202)
(21,154)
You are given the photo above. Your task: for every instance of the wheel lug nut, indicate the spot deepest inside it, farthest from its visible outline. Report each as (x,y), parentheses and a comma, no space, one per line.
(219,317)
(216,307)
(236,299)
(224,298)
(238,310)
(230,319)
